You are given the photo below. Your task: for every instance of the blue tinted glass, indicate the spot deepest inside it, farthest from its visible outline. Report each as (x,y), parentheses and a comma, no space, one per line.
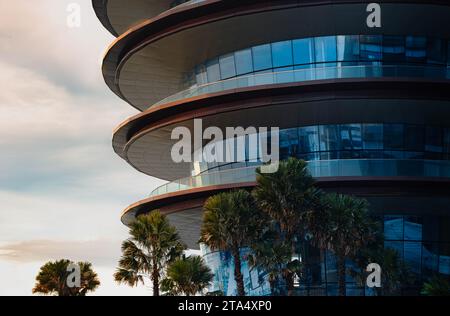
(444,259)
(227,66)
(303,51)
(308,139)
(372,136)
(351,138)
(413,228)
(393,136)
(289,143)
(200,75)
(262,57)
(416,48)
(414,137)
(282,54)
(430,258)
(433,139)
(325,48)
(244,61)
(448,53)
(329,138)
(396,245)
(371,47)
(348,48)
(413,256)
(393,48)
(447,142)
(213,70)
(436,52)
(393,227)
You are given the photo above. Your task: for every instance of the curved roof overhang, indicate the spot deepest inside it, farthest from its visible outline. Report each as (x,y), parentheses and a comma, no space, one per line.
(145,141)
(148,62)
(184,208)
(117,16)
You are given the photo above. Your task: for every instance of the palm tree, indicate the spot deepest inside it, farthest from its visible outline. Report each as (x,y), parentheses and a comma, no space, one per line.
(153,244)
(437,286)
(229,222)
(343,226)
(270,254)
(187,275)
(284,196)
(52,279)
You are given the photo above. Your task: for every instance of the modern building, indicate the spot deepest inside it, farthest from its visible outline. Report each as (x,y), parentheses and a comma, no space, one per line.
(368,106)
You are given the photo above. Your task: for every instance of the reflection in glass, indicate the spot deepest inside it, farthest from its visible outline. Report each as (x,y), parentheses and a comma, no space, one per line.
(262,57)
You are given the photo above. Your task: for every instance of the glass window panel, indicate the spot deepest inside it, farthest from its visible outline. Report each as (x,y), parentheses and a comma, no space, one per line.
(244,61)
(448,53)
(213,70)
(227,66)
(325,48)
(372,136)
(393,48)
(200,75)
(416,48)
(413,256)
(444,260)
(283,74)
(351,137)
(282,54)
(430,258)
(413,228)
(436,52)
(262,57)
(433,139)
(444,228)
(396,245)
(393,136)
(329,138)
(371,47)
(414,137)
(447,140)
(303,51)
(308,139)
(393,227)
(348,48)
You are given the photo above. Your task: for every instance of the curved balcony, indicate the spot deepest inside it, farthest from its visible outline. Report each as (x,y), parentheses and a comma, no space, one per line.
(320,169)
(312,74)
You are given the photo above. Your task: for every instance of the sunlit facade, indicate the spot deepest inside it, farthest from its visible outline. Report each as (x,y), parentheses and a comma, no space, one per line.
(367,108)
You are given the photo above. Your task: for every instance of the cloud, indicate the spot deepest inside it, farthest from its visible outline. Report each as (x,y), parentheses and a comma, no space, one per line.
(34,34)
(62,188)
(101,252)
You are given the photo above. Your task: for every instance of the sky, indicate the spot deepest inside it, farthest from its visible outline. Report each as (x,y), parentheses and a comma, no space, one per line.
(62,188)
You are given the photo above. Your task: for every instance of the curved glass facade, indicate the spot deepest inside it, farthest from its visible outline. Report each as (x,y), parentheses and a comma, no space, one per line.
(422,242)
(318,169)
(324,51)
(353,141)
(222,265)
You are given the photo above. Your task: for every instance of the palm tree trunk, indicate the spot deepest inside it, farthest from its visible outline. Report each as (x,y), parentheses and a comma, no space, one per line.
(272,284)
(155,277)
(289,279)
(341,275)
(239,278)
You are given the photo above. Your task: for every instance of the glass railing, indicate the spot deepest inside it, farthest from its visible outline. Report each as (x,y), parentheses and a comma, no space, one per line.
(311,74)
(320,169)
